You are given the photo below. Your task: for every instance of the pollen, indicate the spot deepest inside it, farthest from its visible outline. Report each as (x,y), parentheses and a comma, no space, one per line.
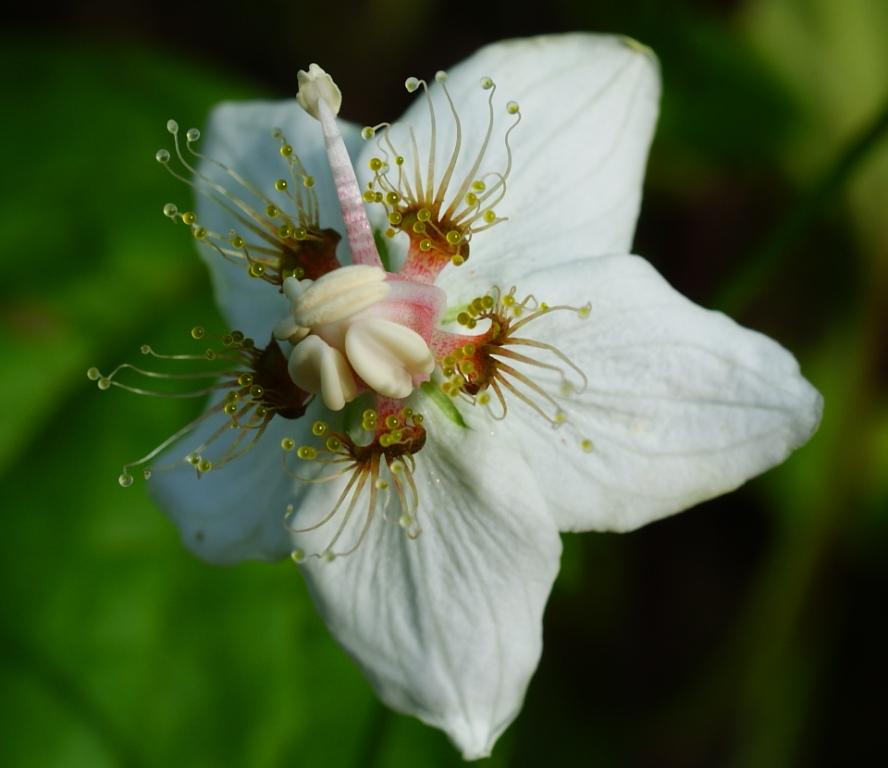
(277,233)
(248,387)
(375,465)
(440,214)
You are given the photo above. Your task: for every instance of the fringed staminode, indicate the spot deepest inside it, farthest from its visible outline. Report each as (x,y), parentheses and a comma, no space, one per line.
(499,361)
(439,215)
(275,238)
(378,464)
(257,389)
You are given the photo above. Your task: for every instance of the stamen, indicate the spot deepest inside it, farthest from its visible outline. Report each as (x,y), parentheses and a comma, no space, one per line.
(344,340)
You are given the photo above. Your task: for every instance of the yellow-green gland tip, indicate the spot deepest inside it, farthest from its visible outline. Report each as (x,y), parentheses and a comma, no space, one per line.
(635,45)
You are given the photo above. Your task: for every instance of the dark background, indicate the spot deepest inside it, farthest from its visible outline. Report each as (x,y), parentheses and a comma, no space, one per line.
(746,632)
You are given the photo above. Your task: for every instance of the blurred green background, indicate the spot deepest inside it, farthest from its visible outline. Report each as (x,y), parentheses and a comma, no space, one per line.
(749,631)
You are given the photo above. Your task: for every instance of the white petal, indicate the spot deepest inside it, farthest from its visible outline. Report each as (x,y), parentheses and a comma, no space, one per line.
(317,367)
(589,104)
(239,135)
(682,403)
(447,627)
(235,512)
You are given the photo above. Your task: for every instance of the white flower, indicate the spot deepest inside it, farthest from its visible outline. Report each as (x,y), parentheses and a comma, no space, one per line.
(622,401)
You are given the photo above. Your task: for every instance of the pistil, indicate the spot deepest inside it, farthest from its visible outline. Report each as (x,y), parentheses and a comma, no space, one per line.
(321,98)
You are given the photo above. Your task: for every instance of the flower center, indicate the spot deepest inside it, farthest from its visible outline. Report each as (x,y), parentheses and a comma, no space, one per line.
(439,215)
(355,329)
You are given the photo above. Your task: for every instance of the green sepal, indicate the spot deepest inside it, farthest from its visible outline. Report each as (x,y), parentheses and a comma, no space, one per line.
(444,403)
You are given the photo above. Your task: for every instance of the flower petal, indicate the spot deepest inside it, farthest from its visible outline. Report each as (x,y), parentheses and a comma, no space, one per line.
(447,627)
(588,104)
(682,404)
(236,512)
(239,135)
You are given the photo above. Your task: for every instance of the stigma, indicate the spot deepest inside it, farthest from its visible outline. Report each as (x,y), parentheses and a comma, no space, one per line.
(277,233)
(251,387)
(375,466)
(501,362)
(439,214)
